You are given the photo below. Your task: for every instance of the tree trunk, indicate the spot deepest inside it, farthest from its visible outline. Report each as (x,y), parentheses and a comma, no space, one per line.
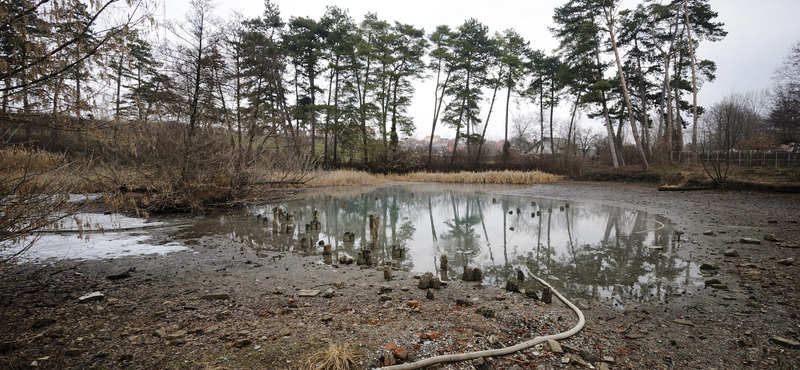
(612,146)
(668,132)
(643,97)
(486,124)
(458,131)
(393,139)
(119,88)
(436,110)
(363,109)
(694,76)
(508,104)
(634,130)
(552,106)
(571,126)
(312,76)
(541,116)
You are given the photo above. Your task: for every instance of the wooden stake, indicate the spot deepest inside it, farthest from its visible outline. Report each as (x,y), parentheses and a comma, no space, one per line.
(547,295)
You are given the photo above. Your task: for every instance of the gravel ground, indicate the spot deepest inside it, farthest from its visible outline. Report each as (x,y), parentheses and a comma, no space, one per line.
(227,306)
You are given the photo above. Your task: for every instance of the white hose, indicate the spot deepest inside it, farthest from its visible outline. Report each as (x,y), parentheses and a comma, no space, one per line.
(502,351)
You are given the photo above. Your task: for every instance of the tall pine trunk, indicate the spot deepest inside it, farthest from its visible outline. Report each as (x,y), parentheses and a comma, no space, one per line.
(625,94)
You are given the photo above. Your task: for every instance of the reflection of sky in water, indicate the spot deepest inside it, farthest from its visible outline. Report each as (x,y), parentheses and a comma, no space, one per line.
(590,249)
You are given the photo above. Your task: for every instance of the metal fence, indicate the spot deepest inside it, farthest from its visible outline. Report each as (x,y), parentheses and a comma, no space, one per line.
(746,158)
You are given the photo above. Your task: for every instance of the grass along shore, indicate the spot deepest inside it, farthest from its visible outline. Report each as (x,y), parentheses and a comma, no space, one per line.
(355,178)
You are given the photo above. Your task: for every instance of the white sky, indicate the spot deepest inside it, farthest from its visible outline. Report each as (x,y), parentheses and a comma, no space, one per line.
(759,37)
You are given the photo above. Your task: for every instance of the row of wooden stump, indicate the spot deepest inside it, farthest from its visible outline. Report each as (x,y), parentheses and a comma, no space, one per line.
(364,256)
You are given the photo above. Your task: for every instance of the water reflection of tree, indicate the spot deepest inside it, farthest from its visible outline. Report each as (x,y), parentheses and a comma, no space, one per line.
(461,241)
(610,260)
(621,264)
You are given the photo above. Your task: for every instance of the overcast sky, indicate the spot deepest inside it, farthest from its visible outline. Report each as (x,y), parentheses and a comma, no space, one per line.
(759,37)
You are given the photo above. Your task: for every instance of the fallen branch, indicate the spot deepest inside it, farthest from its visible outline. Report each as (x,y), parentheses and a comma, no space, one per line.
(502,351)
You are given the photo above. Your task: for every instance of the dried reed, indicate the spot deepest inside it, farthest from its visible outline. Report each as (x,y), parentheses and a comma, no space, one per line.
(344,178)
(489,177)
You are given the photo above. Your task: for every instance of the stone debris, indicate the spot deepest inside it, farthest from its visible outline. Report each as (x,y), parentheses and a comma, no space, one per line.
(241,343)
(716,284)
(216,297)
(308,293)
(91,297)
(731,253)
(580,362)
(554,346)
(773,238)
(750,241)
(683,322)
(785,342)
(708,266)
(787,261)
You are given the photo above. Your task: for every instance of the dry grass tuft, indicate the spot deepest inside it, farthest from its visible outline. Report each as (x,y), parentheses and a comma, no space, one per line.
(344,178)
(489,177)
(335,357)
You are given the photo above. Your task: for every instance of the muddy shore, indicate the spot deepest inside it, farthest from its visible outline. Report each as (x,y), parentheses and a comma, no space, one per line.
(226,306)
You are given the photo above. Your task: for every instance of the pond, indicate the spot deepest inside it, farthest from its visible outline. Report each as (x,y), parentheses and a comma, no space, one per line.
(586,248)
(589,249)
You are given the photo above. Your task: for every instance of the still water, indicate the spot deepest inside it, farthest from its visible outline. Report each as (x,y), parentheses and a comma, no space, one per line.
(585,248)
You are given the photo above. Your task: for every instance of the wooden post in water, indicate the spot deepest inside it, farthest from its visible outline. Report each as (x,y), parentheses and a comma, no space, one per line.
(467,276)
(547,295)
(374,225)
(443,267)
(477,274)
(367,256)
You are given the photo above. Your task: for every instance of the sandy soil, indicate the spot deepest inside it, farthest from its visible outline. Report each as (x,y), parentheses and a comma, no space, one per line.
(227,306)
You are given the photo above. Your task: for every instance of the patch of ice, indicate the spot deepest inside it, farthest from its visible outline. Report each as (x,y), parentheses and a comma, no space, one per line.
(101,222)
(95,247)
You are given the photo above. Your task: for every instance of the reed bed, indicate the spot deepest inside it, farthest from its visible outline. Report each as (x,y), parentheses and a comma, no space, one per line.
(344,178)
(17,161)
(32,171)
(489,177)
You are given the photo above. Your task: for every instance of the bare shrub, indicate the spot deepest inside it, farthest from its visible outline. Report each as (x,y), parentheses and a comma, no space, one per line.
(34,194)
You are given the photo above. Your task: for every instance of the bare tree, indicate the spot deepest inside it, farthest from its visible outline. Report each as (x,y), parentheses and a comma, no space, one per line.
(729,123)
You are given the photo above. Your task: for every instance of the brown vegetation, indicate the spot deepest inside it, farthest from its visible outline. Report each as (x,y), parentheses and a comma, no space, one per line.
(488,177)
(34,188)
